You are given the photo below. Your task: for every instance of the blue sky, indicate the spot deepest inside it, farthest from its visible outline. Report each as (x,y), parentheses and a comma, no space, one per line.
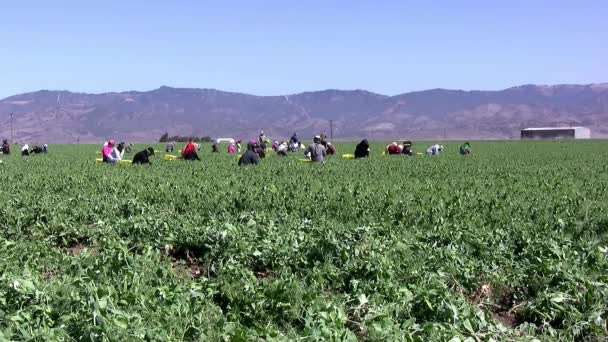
(284,47)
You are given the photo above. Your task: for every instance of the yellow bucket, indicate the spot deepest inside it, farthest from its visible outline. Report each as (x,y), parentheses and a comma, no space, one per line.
(124,162)
(348,156)
(170,157)
(98,153)
(98,160)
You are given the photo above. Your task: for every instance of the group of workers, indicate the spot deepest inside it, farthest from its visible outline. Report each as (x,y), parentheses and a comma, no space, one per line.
(407,148)
(256,150)
(25,149)
(112,153)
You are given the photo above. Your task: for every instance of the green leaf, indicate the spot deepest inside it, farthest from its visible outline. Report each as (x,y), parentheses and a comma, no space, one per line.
(103,303)
(121,322)
(467,325)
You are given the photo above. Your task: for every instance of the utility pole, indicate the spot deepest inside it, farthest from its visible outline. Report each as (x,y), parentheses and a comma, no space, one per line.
(11,128)
(331,130)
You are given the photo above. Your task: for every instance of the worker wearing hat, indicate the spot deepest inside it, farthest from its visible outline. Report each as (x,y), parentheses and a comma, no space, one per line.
(250,157)
(107,148)
(316,152)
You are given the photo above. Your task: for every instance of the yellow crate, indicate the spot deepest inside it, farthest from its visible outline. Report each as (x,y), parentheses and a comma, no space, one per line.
(348,156)
(124,162)
(98,160)
(170,157)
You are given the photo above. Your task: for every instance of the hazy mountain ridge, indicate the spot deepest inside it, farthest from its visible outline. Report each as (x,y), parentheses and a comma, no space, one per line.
(63,116)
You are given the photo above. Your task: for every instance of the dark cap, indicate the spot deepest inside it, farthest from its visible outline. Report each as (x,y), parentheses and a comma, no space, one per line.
(151,150)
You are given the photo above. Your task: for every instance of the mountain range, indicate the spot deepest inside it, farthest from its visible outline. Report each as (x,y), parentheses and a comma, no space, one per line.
(67,117)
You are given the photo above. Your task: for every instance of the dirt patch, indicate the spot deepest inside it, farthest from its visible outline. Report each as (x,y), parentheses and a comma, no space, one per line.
(355,318)
(78,248)
(499,301)
(263,274)
(188,262)
(189,269)
(50,274)
(506,318)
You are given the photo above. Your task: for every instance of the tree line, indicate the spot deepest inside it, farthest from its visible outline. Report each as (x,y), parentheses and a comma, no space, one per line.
(178,138)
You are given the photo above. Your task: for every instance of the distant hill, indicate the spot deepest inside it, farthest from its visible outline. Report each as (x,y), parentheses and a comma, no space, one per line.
(66,117)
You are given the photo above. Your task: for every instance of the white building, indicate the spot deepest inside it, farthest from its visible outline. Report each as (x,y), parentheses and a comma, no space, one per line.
(224,141)
(556,133)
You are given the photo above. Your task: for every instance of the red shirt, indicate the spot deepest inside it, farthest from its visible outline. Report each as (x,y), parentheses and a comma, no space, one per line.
(189,148)
(392,149)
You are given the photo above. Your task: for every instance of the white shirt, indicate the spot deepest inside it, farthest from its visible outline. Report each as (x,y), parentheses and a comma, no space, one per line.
(433,149)
(115,155)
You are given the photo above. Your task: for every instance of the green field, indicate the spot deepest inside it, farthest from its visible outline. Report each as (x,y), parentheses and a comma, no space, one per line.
(510,243)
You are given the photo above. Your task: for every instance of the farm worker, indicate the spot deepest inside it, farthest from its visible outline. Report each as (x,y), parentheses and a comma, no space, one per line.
(249,157)
(362,149)
(275,145)
(434,149)
(117,153)
(262,138)
(465,149)
(316,151)
(231,148)
(25,150)
(189,152)
(323,137)
(329,148)
(192,155)
(238,146)
(129,148)
(45,148)
(215,148)
(294,138)
(408,150)
(6,148)
(108,146)
(143,156)
(393,148)
(170,147)
(282,149)
(260,149)
(36,149)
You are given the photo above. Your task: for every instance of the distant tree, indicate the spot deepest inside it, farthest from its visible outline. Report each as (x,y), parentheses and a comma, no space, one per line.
(164,138)
(179,138)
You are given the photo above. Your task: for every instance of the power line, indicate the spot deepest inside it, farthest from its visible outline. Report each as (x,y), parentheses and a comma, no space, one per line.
(12,128)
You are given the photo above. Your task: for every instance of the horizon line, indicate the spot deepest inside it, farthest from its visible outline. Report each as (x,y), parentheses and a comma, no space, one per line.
(308,91)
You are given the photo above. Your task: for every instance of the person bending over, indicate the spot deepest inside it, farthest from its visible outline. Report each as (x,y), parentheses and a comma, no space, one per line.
(249,157)
(362,149)
(143,156)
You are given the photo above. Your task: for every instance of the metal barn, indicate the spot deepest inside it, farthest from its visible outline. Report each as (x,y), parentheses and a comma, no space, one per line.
(556,133)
